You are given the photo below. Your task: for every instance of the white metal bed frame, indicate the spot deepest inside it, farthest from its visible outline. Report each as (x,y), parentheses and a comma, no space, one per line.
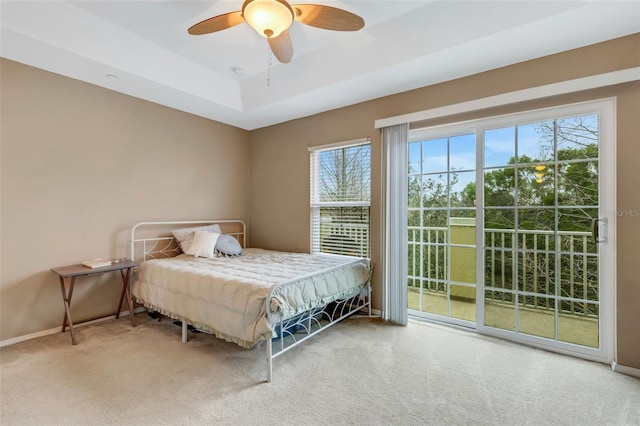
(290,331)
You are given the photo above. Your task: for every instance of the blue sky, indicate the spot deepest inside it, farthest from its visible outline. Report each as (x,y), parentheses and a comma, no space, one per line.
(500,146)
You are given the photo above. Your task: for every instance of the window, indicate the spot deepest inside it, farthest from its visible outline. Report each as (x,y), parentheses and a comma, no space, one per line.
(341,199)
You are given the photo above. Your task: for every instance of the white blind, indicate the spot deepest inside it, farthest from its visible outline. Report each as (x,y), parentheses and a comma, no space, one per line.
(341,199)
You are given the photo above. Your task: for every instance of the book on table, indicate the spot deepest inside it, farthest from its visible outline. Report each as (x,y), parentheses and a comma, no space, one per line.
(97,263)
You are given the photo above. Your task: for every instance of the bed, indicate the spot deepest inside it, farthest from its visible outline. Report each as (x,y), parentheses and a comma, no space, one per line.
(259,297)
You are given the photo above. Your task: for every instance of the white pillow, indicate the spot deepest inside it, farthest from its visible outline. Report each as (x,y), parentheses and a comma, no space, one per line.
(203,244)
(185,235)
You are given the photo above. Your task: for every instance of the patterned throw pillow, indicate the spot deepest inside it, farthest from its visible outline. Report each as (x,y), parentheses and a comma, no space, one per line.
(228,246)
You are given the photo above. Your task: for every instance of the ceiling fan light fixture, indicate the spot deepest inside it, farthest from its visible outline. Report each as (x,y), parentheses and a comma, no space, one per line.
(272,18)
(268,17)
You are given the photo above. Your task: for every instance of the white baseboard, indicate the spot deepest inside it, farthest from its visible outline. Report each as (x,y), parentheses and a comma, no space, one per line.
(51,331)
(375,313)
(622,369)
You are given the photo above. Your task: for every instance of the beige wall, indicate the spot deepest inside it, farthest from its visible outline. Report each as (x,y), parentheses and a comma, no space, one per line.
(279,187)
(80,166)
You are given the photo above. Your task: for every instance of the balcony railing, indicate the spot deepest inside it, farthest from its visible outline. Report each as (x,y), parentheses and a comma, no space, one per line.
(533,262)
(345,238)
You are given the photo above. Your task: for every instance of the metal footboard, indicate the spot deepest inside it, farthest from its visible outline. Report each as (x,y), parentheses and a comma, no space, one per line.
(291,332)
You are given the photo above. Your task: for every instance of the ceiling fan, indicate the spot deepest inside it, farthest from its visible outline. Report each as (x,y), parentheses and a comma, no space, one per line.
(272,19)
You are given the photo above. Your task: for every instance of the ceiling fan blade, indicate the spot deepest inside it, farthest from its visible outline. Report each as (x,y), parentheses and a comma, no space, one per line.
(327,17)
(282,47)
(217,23)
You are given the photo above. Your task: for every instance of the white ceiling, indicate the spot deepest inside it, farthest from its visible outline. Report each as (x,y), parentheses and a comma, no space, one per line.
(142,48)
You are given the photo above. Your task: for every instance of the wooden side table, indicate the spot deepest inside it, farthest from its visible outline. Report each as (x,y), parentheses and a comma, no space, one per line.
(68,276)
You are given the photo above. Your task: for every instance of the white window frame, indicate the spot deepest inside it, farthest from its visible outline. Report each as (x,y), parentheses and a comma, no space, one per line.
(316,204)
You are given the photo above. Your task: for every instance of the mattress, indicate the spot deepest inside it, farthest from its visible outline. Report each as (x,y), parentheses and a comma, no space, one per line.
(227,295)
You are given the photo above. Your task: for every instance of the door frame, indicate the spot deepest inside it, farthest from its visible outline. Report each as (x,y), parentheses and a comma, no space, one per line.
(606,110)
(435,132)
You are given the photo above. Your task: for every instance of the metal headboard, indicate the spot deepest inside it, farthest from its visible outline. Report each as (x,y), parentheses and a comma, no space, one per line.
(163,246)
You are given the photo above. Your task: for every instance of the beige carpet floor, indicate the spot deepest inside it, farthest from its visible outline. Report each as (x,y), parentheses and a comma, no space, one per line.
(359,372)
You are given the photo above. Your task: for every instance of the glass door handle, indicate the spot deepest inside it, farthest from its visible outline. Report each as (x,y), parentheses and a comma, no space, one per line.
(599,230)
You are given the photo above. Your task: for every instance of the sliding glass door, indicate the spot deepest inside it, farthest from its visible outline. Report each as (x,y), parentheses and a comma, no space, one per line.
(508,226)
(441,225)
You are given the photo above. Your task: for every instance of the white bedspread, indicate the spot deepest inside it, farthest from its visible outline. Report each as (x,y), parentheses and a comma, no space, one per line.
(227,295)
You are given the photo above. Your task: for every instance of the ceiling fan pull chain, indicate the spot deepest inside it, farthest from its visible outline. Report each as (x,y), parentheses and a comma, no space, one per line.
(269,62)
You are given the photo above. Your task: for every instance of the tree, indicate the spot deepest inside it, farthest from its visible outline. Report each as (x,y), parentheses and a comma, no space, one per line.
(345,174)
(341,199)
(565,174)
(575,174)
(429,195)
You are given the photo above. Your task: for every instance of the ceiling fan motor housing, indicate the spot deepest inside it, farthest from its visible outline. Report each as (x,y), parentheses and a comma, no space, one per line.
(268,17)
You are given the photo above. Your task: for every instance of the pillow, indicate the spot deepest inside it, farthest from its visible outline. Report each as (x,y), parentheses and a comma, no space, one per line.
(228,246)
(185,235)
(203,244)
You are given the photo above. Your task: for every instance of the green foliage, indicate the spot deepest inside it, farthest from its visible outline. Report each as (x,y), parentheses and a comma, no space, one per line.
(576,190)
(557,188)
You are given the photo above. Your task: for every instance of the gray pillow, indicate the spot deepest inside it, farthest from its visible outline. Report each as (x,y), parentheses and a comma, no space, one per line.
(228,246)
